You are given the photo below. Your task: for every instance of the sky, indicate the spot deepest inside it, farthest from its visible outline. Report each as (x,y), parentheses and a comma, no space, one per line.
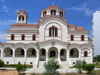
(78,12)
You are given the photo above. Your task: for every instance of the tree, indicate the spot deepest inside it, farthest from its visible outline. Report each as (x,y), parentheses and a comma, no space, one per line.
(79,66)
(83,64)
(50,67)
(19,67)
(1,63)
(89,67)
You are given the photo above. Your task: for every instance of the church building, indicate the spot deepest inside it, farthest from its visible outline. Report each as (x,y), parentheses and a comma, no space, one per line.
(53,36)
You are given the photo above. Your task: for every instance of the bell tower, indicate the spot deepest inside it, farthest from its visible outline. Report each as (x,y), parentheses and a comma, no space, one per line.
(22,16)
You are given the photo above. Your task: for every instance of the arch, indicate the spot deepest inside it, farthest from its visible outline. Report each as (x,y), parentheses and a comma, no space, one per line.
(12,37)
(72,37)
(61,13)
(53,50)
(52,53)
(21,18)
(19,52)
(31,52)
(82,37)
(42,54)
(53,31)
(8,52)
(85,53)
(34,37)
(44,13)
(63,54)
(74,53)
(53,12)
(23,37)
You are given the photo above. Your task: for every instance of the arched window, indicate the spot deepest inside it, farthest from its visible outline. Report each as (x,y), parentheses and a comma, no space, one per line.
(61,14)
(33,52)
(21,18)
(85,53)
(43,51)
(62,52)
(34,37)
(22,52)
(72,37)
(44,13)
(23,37)
(53,31)
(82,37)
(72,52)
(11,52)
(53,12)
(12,37)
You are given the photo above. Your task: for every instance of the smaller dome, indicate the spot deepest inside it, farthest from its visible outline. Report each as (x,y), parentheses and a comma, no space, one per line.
(53,6)
(22,11)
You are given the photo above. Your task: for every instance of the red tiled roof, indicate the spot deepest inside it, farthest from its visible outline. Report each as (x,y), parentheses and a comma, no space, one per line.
(22,31)
(71,25)
(1,43)
(18,24)
(53,6)
(80,28)
(22,11)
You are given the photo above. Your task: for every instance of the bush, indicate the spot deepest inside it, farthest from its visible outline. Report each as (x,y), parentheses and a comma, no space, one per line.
(89,67)
(50,67)
(97,63)
(79,66)
(19,67)
(83,64)
(1,63)
(14,65)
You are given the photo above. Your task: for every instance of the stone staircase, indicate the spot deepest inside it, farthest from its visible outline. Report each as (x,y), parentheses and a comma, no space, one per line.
(41,63)
(65,64)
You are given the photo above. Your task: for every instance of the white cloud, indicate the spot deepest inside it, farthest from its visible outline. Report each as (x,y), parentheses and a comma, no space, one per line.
(7,22)
(83,8)
(5,8)
(2,36)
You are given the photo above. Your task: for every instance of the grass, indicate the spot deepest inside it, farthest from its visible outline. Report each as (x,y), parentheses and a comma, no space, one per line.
(95,72)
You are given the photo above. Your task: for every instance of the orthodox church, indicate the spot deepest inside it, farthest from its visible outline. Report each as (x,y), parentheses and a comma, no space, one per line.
(53,36)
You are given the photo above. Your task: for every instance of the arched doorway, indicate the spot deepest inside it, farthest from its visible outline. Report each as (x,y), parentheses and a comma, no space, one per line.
(74,53)
(31,52)
(19,52)
(42,54)
(52,54)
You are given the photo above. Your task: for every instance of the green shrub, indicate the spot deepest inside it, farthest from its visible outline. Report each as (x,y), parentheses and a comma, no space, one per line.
(79,66)
(1,63)
(14,65)
(50,67)
(89,67)
(83,64)
(97,63)
(19,67)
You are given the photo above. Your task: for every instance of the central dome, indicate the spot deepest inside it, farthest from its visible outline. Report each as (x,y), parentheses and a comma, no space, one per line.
(53,6)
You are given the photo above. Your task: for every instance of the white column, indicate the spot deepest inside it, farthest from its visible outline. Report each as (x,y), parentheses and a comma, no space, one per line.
(14,55)
(25,19)
(17,19)
(46,56)
(57,12)
(25,55)
(1,54)
(79,53)
(58,55)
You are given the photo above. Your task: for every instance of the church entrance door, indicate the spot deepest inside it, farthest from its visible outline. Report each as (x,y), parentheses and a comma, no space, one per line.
(52,53)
